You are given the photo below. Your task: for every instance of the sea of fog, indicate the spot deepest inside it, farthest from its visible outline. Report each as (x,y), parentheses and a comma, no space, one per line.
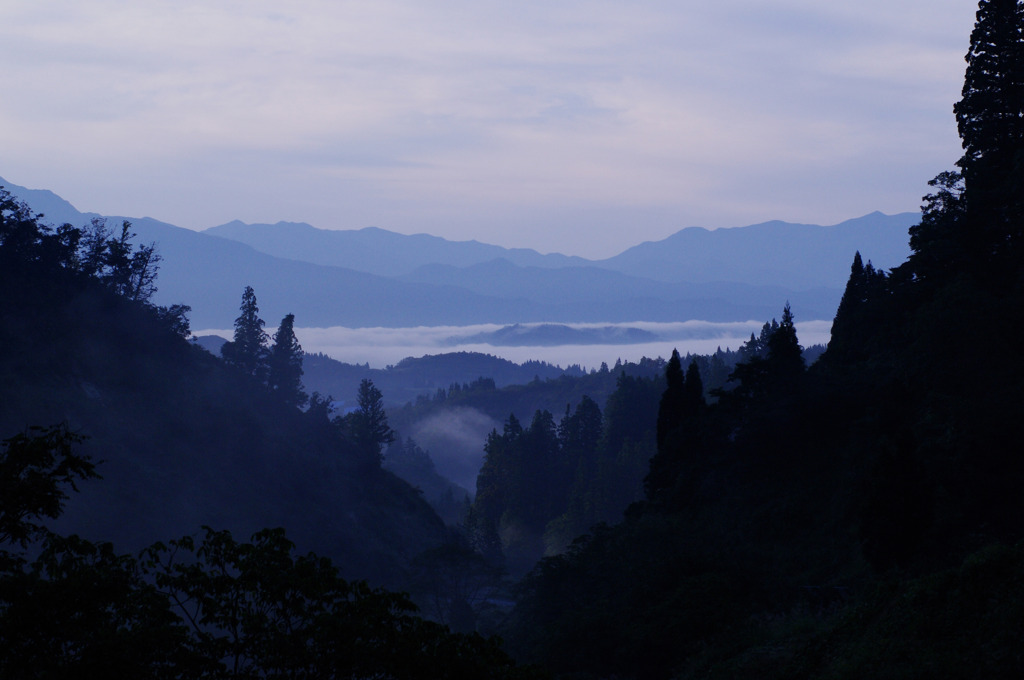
(380,347)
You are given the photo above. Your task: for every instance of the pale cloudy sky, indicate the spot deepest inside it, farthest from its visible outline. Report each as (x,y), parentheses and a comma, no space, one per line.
(564,125)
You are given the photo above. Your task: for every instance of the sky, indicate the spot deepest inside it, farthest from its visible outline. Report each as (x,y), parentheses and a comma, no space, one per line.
(568,126)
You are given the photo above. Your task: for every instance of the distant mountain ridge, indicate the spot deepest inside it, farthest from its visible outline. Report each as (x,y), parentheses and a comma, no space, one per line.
(792,255)
(798,256)
(373,277)
(377,251)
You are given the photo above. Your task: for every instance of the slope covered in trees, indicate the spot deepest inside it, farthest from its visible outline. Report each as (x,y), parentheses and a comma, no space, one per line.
(157,437)
(184,439)
(857,518)
(585,479)
(197,607)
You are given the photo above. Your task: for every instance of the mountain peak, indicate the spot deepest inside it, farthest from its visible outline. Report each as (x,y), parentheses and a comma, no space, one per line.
(55,209)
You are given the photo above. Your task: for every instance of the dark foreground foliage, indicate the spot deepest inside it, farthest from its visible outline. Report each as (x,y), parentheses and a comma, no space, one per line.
(196,607)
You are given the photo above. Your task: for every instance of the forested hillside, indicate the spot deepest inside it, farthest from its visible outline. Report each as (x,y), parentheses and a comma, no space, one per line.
(131,461)
(415,377)
(857,518)
(184,440)
(455,425)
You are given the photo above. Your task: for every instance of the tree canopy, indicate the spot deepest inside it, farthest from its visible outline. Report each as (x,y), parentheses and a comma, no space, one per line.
(248,350)
(367,425)
(284,365)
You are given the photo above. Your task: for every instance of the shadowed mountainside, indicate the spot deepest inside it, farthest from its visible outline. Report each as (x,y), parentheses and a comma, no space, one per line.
(182,439)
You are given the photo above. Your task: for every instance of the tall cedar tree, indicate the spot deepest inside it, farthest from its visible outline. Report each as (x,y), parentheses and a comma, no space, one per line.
(852,325)
(680,404)
(785,355)
(975,218)
(284,365)
(248,351)
(368,424)
(990,120)
(671,406)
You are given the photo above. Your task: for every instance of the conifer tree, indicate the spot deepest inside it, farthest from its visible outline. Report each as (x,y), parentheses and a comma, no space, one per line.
(843,325)
(694,388)
(513,428)
(368,424)
(990,120)
(248,351)
(671,406)
(284,365)
(538,494)
(580,432)
(859,316)
(990,115)
(785,355)
(854,293)
(679,404)
(977,214)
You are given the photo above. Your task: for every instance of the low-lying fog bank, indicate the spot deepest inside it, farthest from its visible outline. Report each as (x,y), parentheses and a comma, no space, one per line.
(381,347)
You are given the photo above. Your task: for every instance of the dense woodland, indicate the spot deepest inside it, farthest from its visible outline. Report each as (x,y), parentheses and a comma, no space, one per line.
(123,440)
(757,517)
(858,518)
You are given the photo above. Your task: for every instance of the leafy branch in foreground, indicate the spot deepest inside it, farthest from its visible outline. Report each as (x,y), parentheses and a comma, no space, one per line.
(36,469)
(195,608)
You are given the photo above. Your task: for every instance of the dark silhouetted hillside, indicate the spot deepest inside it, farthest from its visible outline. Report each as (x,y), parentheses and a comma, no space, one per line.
(182,439)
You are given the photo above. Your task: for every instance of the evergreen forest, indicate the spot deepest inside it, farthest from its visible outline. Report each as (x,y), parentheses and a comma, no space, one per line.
(773,512)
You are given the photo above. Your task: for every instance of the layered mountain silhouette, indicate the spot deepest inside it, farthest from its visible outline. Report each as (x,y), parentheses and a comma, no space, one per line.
(797,256)
(377,251)
(373,277)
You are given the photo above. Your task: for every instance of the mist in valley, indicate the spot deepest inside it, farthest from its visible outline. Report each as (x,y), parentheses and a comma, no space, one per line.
(455,439)
(382,347)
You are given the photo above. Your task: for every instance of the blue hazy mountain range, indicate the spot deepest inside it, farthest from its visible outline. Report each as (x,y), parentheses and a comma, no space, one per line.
(378,251)
(373,277)
(798,256)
